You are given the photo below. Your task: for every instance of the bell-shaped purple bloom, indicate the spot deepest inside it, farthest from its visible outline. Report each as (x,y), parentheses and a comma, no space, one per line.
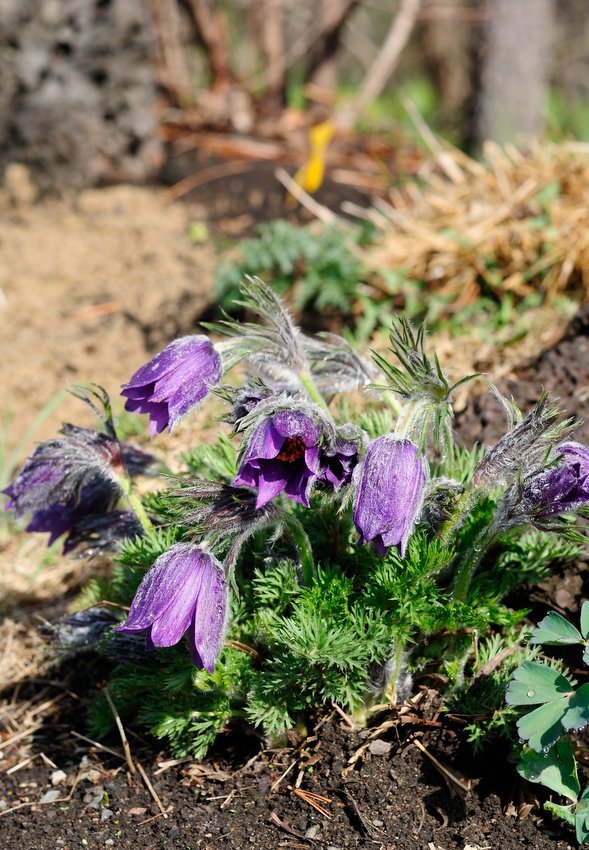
(174,381)
(562,488)
(283,455)
(390,493)
(184,591)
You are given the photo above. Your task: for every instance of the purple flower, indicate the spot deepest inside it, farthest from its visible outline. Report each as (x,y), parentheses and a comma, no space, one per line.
(562,488)
(283,455)
(173,381)
(390,493)
(184,591)
(66,479)
(338,463)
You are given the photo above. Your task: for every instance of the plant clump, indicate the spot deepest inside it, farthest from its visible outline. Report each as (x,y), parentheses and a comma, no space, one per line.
(334,547)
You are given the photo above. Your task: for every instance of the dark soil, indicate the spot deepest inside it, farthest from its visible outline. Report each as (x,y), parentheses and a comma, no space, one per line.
(563,370)
(391,797)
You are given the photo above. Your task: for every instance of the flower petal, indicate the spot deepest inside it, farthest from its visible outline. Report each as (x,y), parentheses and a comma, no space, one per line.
(207,632)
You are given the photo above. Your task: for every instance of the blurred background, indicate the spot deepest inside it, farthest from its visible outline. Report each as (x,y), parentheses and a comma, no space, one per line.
(107,90)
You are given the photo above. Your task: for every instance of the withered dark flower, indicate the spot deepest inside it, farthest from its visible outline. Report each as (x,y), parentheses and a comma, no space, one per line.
(561,488)
(66,479)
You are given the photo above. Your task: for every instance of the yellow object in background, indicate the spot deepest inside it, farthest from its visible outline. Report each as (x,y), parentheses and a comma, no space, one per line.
(310,175)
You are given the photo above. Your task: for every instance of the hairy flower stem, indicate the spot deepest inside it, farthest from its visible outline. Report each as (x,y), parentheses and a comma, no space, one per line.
(304,549)
(395,665)
(470,562)
(464,505)
(308,385)
(135,503)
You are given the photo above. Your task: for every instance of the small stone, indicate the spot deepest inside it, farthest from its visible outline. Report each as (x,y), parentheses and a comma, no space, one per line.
(380,747)
(50,796)
(377,823)
(109,842)
(106,814)
(58,776)
(312,832)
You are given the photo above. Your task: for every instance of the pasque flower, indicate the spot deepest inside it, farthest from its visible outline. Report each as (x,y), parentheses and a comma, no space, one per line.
(174,381)
(562,488)
(389,494)
(71,478)
(282,455)
(184,592)
(338,463)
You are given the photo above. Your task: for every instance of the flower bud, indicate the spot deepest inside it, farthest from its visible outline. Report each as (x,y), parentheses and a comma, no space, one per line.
(390,492)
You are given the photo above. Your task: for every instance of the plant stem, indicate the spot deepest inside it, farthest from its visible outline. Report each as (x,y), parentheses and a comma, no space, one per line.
(303,545)
(463,506)
(390,692)
(470,562)
(135,503)
(309,386)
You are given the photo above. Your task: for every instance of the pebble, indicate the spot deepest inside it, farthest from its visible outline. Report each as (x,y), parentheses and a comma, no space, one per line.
(109,842)
(377,823)
(106,814)
(380,747)
(312,832)
(58,776)
(50,796)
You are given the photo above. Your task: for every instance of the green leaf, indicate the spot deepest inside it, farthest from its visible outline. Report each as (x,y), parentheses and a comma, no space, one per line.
(581,811)
(557,770)
(542,727)
(585,620)
(577,714)
(555,630)
(534,683)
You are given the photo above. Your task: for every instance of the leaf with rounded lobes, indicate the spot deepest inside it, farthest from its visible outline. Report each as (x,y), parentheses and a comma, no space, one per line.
(585,620)
(541,728)
(557,770)
(534,683)
(555,630)
(581,811)
(577,714)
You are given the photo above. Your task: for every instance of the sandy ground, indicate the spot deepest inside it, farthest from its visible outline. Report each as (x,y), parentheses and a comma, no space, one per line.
(89,287)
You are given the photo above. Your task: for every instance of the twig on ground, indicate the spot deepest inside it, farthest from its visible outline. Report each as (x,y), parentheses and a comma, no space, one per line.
(151,790)
(126,747)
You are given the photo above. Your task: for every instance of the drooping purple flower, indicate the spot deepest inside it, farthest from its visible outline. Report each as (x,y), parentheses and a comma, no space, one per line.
(339,462)
(563,487)
(174,381)
(283,455)
(66,479)
(96,498)
(389,494)
(184,591)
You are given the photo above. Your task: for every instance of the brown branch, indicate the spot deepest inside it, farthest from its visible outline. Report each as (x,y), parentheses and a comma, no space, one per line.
(385,63)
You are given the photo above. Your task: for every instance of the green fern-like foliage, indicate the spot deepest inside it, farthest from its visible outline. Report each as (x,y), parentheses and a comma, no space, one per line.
(315,269)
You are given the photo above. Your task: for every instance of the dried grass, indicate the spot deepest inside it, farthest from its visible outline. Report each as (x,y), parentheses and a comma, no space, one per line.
(516,222)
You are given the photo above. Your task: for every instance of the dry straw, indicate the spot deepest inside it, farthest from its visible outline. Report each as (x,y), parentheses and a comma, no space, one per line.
(516,222)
